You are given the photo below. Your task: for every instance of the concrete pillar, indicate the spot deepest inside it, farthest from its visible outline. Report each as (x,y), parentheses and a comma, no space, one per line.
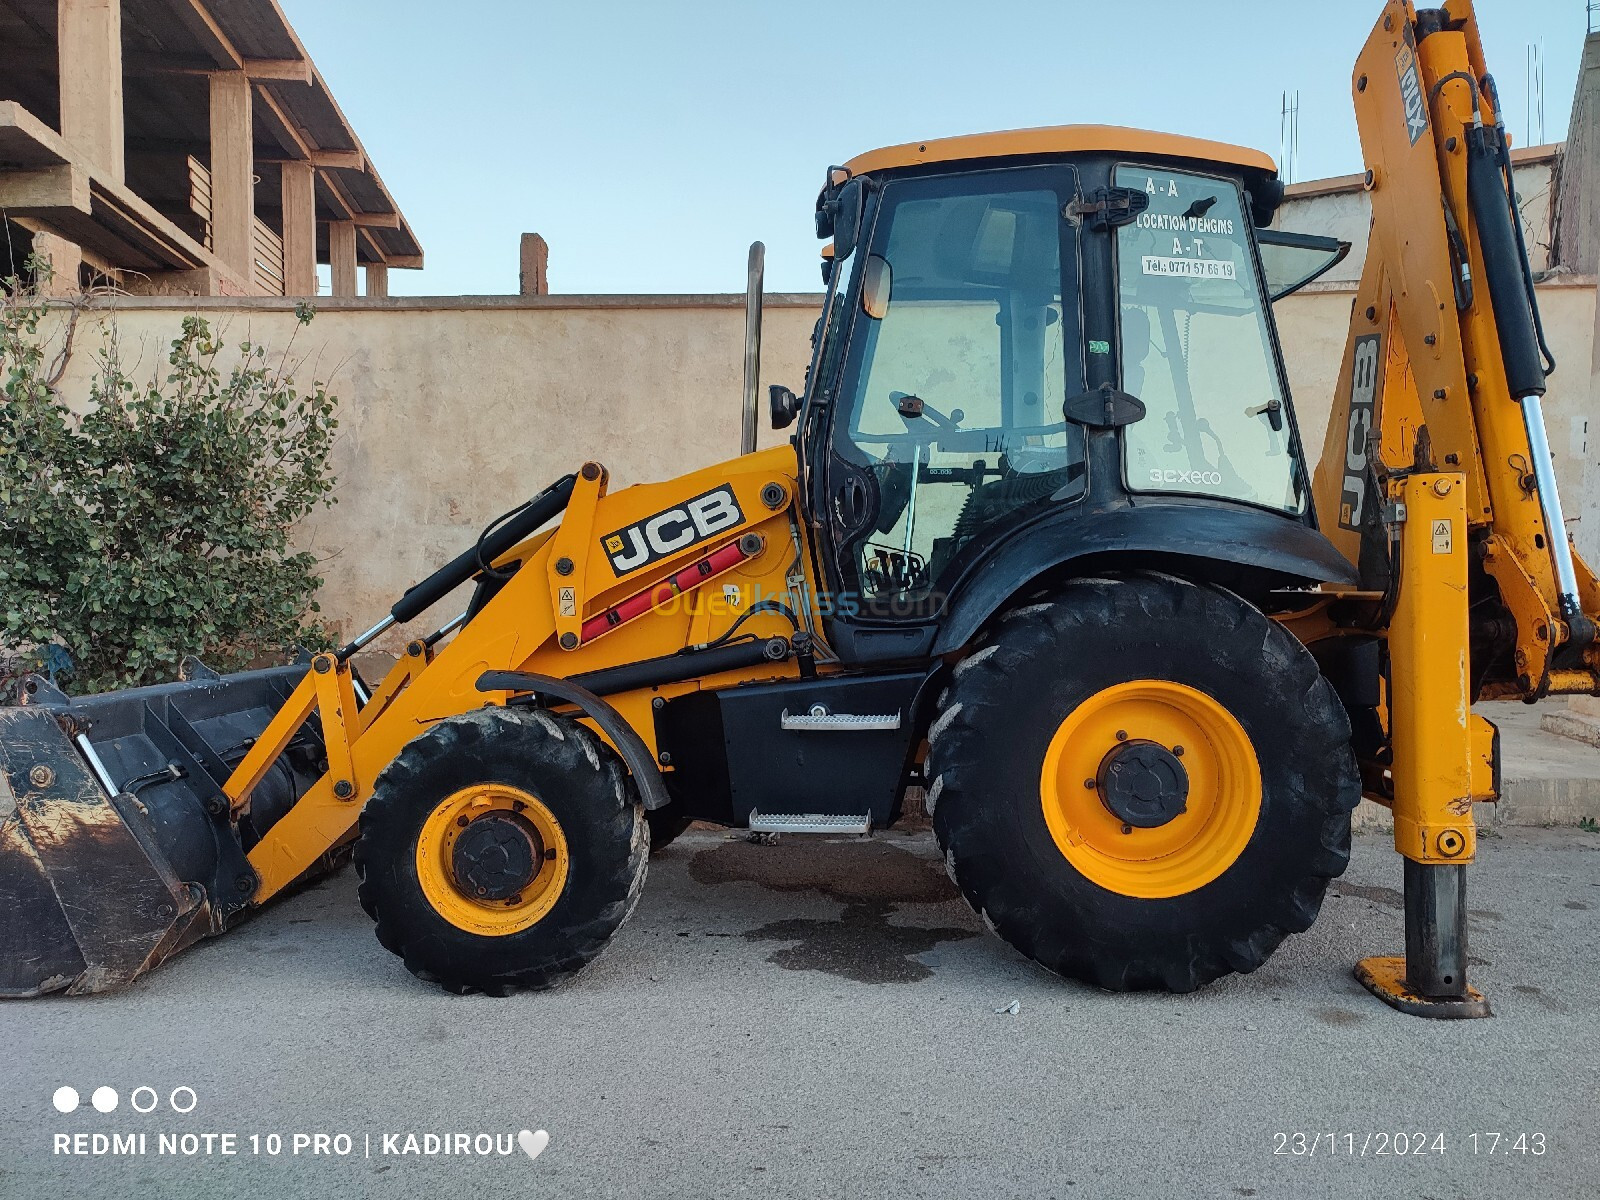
(342,255)
(233,190)
(1587,536)
(1578,249)
(535,265)
(1578,196)
(299,229)
(377,281)
(90,39)
(60,262)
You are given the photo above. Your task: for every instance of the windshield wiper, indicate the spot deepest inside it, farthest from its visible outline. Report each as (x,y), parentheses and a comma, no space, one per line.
(1274,413)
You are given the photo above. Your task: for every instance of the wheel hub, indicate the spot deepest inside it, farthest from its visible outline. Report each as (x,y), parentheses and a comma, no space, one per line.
(1143,784)
(497,856)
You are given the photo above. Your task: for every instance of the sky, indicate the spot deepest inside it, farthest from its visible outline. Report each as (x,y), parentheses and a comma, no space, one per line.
(651,143)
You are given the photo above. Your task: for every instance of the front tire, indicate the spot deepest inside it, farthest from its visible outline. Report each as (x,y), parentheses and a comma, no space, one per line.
(1142,783)
(667,825)
(501,850)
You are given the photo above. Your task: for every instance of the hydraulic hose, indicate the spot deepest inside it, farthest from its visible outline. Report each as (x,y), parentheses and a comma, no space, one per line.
(519,524)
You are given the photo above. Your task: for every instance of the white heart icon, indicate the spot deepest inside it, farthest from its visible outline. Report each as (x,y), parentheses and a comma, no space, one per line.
(533,1142)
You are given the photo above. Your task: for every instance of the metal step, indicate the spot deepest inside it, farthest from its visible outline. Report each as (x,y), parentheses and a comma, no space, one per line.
(810,822)
(819,718)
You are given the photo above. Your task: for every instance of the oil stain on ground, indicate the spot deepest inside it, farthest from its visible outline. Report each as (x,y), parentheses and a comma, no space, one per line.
(1538,996)
(870,878)
(861,945)
(1337,1016)
(1378,895)
(1392,898)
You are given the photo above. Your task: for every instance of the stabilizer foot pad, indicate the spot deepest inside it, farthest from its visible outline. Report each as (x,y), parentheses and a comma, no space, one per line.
(1385,978)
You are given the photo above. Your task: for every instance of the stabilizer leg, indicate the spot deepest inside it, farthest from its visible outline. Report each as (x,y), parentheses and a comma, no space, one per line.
(1431,980)
(1433,734)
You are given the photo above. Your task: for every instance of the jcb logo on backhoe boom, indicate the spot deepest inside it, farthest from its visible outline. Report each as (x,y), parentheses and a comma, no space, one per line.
(1363,403)
(677,528)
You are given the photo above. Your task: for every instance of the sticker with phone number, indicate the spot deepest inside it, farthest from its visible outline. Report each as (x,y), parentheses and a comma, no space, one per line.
(1193,268)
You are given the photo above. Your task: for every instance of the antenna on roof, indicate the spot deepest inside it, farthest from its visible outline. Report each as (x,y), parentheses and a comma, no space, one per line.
(1289,136)
(1534,87)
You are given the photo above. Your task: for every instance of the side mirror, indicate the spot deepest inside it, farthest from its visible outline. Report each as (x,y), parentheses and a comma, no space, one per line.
(845,211)
(785,405)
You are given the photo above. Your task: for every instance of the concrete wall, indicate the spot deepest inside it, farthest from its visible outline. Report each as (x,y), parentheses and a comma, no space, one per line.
(1312,323)
(1312,326)
(1340,207)
(453,410)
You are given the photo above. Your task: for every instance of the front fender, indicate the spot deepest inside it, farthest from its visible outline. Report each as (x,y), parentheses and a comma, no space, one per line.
(635,754)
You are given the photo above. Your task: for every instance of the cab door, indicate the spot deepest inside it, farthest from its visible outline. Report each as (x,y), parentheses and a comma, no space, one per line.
(959,341)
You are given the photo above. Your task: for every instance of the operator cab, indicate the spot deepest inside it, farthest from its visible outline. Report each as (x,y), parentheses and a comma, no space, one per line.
(1027,332)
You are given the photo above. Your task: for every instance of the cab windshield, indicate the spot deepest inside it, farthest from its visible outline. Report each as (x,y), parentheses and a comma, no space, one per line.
(1197,350)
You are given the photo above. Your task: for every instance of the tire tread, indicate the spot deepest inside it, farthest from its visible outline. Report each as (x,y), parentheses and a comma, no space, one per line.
(561,747)
(982,697)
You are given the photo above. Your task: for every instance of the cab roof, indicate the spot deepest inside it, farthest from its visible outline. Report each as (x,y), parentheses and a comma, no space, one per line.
(1059,139)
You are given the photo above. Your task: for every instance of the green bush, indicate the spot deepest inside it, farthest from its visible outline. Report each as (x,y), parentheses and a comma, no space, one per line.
(141,523)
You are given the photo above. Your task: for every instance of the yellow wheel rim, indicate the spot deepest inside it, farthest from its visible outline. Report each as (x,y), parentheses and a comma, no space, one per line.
(1191,848)
(522,848)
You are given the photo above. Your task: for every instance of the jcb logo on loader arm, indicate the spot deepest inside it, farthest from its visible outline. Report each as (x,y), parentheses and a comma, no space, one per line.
(674,529)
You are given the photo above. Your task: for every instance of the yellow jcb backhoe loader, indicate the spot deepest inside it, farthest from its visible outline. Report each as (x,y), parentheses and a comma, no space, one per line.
(1044,544)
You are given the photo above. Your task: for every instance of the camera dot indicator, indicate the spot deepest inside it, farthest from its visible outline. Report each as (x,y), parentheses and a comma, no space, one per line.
(150,1105)
(104,1099)
(65,1099)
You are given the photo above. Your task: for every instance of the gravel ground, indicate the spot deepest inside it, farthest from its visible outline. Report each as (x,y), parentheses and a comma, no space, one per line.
(819,1019)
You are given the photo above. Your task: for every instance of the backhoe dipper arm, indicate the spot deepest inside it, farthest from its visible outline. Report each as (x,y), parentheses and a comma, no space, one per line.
(1436,478)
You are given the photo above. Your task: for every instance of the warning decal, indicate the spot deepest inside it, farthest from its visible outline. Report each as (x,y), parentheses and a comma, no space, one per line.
(1441,536)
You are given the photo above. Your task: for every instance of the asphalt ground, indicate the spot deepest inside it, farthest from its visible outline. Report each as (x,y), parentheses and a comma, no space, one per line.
(818,1019)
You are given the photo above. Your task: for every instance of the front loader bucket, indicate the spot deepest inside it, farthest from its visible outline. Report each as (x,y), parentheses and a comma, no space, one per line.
(118,847)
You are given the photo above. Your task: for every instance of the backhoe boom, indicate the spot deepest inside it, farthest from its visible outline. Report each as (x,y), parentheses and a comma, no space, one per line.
(1436,478)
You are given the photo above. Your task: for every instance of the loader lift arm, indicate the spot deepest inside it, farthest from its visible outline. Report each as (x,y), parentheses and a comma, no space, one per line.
(200,800)
(1436,479)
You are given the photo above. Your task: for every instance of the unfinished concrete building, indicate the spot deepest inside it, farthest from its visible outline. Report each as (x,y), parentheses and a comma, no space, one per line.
(183,147)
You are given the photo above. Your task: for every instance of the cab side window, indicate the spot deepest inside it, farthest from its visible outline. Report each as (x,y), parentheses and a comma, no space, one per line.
(957,373)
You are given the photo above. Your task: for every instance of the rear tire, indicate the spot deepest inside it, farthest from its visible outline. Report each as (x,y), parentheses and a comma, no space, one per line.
(556,795)
(1077,868)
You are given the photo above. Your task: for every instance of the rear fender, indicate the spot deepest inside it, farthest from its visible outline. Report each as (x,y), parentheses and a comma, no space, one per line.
(1250,550)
